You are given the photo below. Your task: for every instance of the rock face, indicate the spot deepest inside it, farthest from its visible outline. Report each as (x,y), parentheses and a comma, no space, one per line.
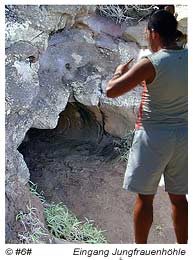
(181,16)
(83,72)
(56,55)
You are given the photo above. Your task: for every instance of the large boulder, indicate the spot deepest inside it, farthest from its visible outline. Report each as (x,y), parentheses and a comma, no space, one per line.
(34,23)
(74,61)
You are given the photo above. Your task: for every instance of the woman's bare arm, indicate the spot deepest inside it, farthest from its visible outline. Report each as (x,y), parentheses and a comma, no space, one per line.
(129,79)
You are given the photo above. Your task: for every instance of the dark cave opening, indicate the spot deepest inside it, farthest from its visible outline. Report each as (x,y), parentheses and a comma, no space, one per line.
(78,133)
(77,136)
(79,164)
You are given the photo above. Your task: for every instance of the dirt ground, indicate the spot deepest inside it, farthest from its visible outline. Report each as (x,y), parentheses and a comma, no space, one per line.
(88,180)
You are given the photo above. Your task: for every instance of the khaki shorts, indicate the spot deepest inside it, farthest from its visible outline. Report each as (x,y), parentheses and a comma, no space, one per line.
(156,151)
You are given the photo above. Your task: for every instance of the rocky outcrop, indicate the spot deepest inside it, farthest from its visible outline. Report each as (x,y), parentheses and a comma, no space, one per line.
(181,16)
(56,55)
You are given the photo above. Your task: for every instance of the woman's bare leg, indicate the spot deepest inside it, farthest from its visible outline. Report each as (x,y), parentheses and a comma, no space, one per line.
(180,217)
(143,217)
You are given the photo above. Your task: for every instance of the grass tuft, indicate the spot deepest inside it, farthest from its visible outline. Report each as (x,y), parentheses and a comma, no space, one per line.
(64,225)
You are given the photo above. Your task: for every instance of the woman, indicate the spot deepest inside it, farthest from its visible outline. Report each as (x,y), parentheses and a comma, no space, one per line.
(160,141)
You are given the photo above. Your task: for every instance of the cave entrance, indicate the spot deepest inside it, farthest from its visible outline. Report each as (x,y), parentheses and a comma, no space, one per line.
(77,163)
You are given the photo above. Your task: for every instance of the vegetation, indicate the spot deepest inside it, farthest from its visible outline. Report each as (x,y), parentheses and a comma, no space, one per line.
(124,145)
(34,230)
(60,222)
(129,14)
(65,225)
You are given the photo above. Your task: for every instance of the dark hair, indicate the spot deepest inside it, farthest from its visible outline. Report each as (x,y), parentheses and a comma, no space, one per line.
(164,23)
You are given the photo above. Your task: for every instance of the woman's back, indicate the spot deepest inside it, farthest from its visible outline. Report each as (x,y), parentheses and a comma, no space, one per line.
(165,100)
